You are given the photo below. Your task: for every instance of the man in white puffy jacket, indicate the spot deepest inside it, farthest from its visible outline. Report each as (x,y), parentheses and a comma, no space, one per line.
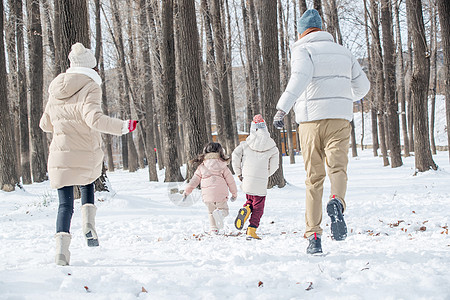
(254,161)
(325,81)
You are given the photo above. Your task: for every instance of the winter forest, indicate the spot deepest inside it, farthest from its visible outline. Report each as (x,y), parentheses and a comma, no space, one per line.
(197,71)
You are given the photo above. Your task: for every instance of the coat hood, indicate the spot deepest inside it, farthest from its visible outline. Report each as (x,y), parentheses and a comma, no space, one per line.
(214,163)
(65,85)
(260,140)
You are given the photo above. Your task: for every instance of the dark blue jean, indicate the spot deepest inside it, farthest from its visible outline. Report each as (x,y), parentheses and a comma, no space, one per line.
(65,209)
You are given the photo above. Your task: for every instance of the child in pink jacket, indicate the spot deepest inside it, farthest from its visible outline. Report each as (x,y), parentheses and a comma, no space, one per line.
(215,179)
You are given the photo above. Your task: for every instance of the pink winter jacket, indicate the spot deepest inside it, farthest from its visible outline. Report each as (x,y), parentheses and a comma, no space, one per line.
(215,179)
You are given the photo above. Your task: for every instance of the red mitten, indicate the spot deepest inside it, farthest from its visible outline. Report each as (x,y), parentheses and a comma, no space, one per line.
(132,125)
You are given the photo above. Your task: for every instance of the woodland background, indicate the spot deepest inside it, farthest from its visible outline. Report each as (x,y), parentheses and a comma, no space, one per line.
(195,71)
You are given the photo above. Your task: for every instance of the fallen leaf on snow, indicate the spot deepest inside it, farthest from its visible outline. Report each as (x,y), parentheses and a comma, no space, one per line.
(87,289)
(144,290)
(260,284)
(310,286)
(423,228)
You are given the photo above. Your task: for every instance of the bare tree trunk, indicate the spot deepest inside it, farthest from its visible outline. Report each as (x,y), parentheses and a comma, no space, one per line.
(390,84)
(25,169)
(284,80)
(379,80)
(155,58)
(10,35)
(36,62)
(252,97)
(271,65)
(400,78)
(100,61)
(8,175)
(219,47)
(318,7)
(132,153)
(50,40)
(191,87)
(419,88)
(169,105)
(147,124)
(353,140)
(258,75)
(408,75)
(205,87)
(72,22)
(212,75)
(303,8)
(433,73)
(229,68)
(444,12)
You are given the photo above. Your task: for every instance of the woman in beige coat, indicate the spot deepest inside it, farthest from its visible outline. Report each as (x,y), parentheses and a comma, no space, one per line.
(74,116)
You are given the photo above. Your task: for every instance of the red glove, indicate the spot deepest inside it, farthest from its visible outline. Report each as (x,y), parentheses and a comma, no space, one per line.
(132,125)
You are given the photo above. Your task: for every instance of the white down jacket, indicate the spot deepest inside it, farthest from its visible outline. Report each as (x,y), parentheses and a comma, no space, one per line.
(256,159)
(325,80)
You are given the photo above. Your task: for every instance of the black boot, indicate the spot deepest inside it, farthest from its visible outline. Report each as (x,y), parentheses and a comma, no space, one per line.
(335,210)
(315,245)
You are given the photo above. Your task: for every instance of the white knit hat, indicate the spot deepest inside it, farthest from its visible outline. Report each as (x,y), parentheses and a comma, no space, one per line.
(82,57)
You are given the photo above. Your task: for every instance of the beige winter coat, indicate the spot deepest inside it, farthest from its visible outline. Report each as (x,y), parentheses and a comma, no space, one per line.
(73,114)
(256,159)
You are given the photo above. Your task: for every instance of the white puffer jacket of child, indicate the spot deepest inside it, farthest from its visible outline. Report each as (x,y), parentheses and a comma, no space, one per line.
(256,159)
(325,80)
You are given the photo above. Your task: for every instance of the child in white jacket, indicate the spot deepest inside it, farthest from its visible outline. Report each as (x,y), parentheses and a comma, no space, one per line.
(254,161)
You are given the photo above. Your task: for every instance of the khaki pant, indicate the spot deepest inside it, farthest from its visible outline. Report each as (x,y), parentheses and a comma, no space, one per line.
(323,141)
(223,206)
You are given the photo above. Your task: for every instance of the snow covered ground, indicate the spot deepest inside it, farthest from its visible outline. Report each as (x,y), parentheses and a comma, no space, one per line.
(398,245)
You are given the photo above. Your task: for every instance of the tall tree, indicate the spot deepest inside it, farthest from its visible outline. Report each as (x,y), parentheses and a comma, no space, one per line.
(400,78)
(284,72)
(100,61)
(212,74)
(220,51)
(25,169)
(169,118)
(271,65)
(191,87)
(390,84)
(154,29)
(371,94)
(36,69)
(379,78)
(10,36)
(147,125)
(8,175)
(433,72)
(71,26)
(302,6)
(129,154)
(444,20)
(419,88)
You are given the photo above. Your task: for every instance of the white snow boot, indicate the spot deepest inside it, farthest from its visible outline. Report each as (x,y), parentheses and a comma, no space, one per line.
(62,257)
(218,218)
(88,219)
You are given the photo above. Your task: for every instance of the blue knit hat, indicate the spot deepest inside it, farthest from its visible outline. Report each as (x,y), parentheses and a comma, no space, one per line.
(310,18)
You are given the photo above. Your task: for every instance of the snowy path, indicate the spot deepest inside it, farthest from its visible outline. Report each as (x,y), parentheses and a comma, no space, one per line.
(398,245)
